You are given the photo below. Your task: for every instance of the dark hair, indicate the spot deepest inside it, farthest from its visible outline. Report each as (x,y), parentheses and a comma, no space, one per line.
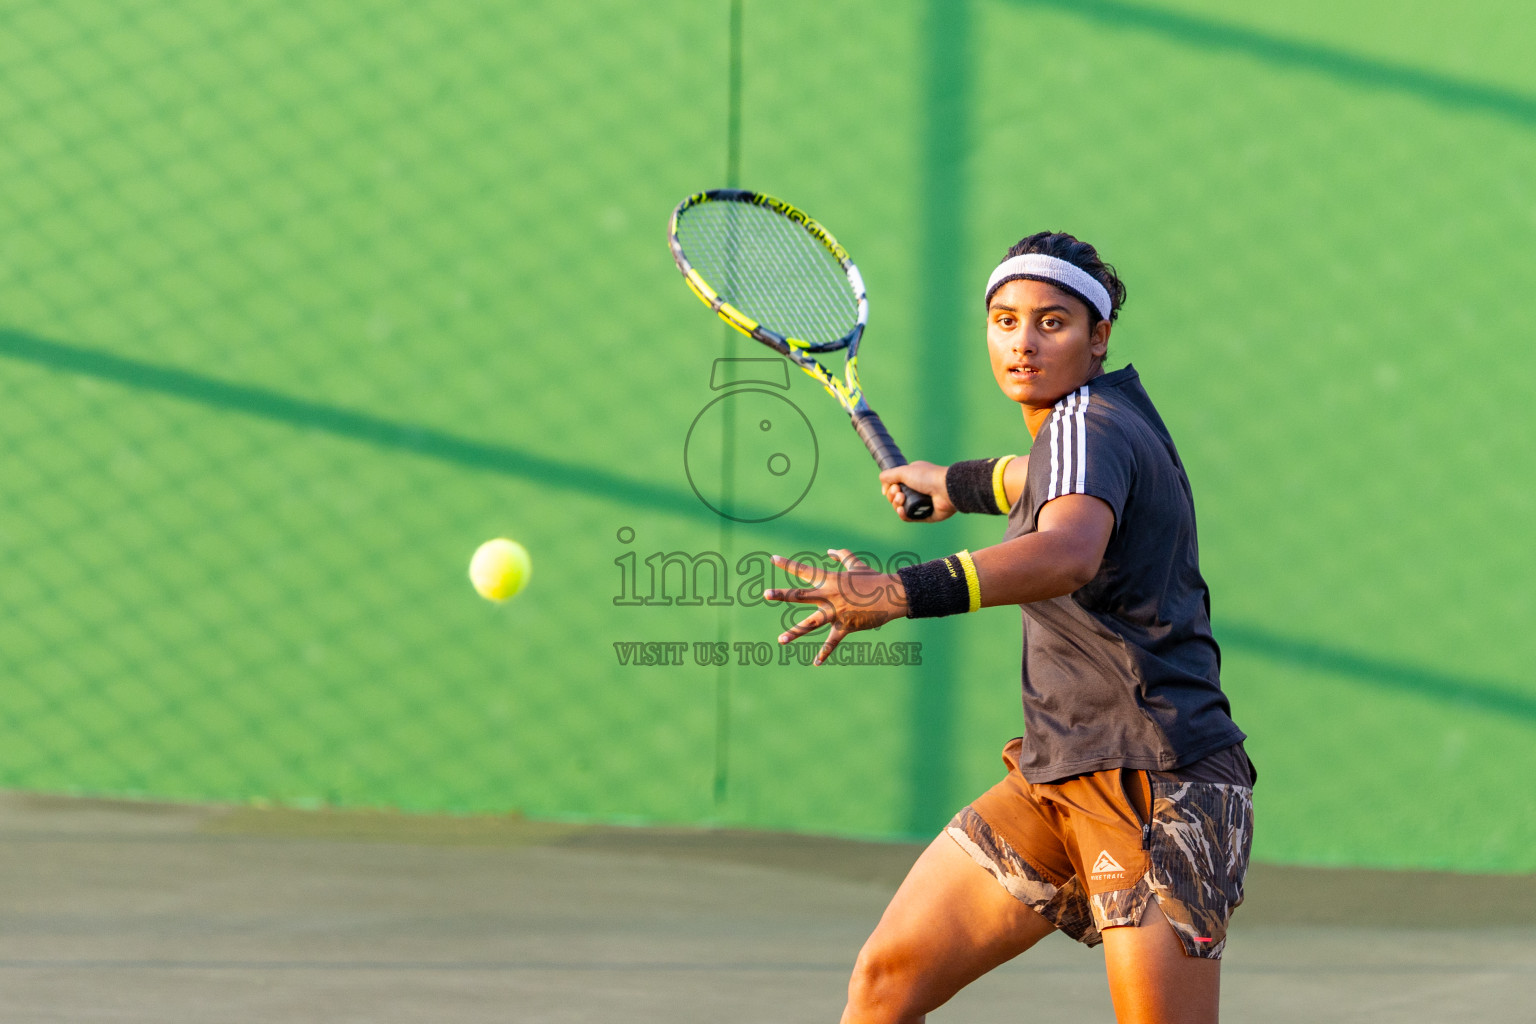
(1066,247)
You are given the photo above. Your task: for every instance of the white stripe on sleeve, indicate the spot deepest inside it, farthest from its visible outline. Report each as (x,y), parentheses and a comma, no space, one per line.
(1068,443)
(1069,446)
(1055,427)
(1080,486)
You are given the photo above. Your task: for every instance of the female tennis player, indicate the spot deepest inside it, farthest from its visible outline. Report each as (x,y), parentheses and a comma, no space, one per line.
(1126,814)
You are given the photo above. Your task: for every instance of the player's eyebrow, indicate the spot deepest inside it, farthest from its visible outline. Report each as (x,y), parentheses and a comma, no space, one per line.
(1055,308)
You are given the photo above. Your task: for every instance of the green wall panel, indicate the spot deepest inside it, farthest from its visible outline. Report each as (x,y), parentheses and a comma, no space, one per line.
(301,302)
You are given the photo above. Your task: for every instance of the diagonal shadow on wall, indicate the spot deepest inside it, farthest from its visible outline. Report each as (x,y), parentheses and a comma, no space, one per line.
(414,439)
(1208,34)
(1400,677)
(591,479)
(1486,695)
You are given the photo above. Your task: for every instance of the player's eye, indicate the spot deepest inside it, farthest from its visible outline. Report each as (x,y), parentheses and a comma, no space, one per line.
(1050,322)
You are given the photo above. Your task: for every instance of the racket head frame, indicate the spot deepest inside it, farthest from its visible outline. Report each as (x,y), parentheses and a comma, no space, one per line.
(847,391)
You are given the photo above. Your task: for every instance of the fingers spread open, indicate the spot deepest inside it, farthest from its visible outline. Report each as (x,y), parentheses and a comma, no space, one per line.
(801,595)
(831,645)
(812,574)
(810,624)
(848,559)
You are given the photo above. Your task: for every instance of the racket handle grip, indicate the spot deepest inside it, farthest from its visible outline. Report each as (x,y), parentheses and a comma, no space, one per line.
(887,456)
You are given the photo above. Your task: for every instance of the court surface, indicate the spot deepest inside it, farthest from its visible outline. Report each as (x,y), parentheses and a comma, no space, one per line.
(117,911)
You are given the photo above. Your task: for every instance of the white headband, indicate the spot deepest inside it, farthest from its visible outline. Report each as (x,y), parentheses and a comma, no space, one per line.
(1049,268)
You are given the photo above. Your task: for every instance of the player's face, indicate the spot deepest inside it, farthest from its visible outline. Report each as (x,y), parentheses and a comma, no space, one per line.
(1040,342)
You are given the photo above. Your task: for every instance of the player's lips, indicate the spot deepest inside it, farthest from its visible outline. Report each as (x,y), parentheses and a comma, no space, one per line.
(1023,371)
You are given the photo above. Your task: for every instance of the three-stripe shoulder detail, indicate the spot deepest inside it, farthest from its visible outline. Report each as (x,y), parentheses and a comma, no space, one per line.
(1069,445)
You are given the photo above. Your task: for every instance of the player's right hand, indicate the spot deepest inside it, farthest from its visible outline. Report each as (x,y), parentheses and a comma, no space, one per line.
(920,476)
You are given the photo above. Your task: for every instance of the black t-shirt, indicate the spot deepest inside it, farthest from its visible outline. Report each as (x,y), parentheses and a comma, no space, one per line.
(1123,673)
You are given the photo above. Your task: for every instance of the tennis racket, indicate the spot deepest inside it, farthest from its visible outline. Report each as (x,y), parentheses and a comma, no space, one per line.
(776,275)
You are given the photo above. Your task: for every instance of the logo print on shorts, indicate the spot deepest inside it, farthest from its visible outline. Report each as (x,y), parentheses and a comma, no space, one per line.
(1106,865)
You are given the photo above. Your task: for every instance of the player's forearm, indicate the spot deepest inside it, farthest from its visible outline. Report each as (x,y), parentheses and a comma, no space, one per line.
(989,486)
(1061,555)
(1034,567)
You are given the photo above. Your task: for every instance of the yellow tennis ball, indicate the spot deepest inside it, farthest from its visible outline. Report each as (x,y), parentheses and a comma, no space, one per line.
(500,569)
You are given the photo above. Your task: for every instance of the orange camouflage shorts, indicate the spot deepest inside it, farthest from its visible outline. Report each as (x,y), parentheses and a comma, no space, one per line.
(1089,852)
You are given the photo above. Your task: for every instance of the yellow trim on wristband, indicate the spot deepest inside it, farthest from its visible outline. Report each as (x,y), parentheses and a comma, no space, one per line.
(972,581)
(998,493)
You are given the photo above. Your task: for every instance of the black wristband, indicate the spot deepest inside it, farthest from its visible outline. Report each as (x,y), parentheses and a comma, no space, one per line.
(975,485)
(940,587)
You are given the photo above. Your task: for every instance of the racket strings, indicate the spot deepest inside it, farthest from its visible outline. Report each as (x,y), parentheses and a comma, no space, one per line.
(771,269)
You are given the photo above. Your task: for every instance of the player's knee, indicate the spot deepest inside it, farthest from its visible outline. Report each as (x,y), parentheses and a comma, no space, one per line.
(882,988)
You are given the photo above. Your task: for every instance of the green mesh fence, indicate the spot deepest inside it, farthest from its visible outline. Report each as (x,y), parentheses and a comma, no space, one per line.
(301,302)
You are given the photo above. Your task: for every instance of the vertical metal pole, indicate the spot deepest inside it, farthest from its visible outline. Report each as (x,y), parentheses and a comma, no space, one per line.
(728,425)
(946,101)
(733,98)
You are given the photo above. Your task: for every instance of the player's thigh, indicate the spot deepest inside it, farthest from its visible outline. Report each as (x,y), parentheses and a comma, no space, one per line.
(1153,981)
(948,924)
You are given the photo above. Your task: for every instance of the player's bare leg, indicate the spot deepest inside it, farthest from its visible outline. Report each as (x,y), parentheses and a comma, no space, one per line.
(948,924)
(1151,981)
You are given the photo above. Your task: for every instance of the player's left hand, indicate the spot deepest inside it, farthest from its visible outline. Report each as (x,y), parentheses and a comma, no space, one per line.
(856,598)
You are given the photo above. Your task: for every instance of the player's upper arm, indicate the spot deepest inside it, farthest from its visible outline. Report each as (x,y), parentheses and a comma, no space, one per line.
(1079,526)
(1091,453)
(1015,476)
